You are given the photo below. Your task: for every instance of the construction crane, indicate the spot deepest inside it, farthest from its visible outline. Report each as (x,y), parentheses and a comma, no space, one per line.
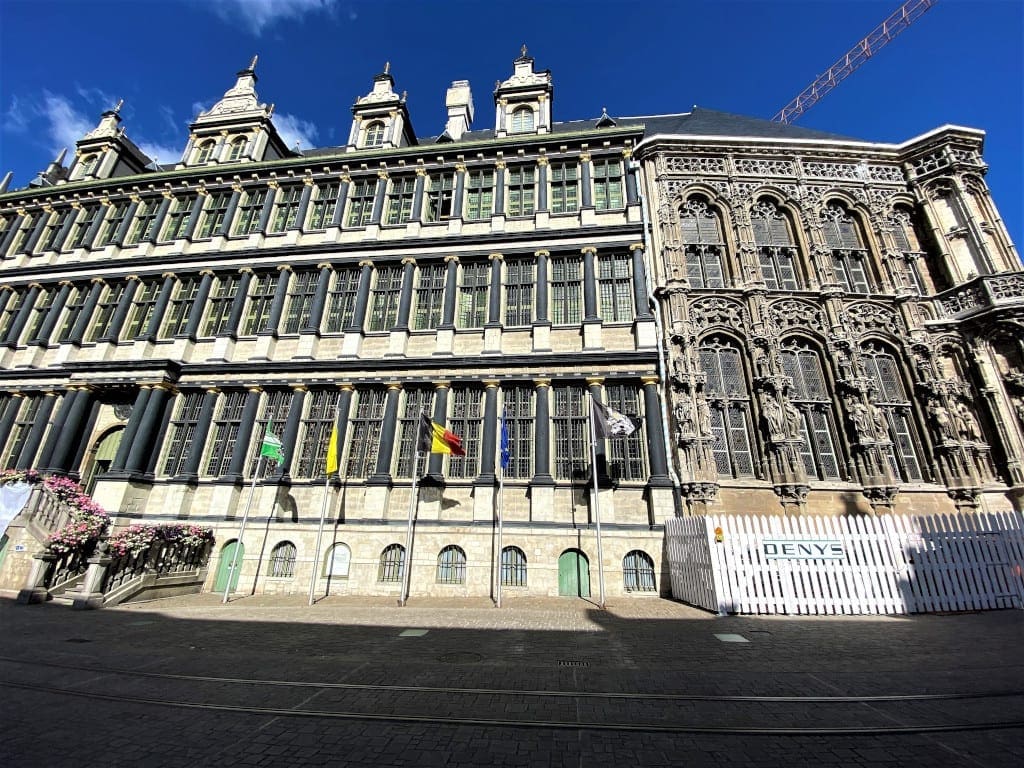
(879,37)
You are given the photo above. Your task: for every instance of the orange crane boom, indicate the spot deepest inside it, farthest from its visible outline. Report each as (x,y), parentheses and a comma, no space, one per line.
(879,37)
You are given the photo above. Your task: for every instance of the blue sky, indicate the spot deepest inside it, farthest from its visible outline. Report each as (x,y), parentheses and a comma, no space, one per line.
(62,62)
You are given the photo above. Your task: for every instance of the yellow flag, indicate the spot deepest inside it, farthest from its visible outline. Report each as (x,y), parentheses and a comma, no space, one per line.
(332,451)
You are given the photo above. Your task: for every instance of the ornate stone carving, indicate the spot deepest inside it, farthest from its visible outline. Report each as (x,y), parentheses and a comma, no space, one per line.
(710,311)
(761,167)
(867,316)
(834,170)
(791,313)
(886,173)
(698,165)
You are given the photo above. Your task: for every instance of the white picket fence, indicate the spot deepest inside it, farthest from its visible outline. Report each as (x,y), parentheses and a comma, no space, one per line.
(891,564)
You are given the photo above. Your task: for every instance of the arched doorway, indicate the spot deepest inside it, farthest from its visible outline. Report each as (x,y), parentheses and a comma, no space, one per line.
(227,555)
(573,574)
(101,457)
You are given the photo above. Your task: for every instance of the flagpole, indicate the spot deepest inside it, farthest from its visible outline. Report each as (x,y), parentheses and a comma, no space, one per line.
(501,502)
(323,514)
(408,534)
(597,504)
(241,530)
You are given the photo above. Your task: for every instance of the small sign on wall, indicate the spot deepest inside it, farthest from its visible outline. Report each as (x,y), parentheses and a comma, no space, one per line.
(804,549)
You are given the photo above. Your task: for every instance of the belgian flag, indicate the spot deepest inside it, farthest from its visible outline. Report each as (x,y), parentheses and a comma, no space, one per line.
(434,438)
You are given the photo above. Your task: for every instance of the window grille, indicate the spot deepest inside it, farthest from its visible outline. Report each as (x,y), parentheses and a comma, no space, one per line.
(479,194)
(384,300)
(702,244)
(22,425)
(429,298)
(566,290)
(180,306)
(520,279)
(518,410)
(250,211)
(522,120)
(342,300)
(116,213)
(627,459)
(638,572)
(214,213)
(466,421)
(178,217)
(392,564)
(276,407)
(729,408)
(104,314)
(374,134)
(439,197)
(73,308)
(615,287)
(891,398)
(286,209)
(86,219)
(473,294)
(607,185)
(365,427)
(316,432)
(218,309)
(513,567)
(261,296)
(225,433)
(810,397)
(145,220)
(143,306)
(181,429)
(451,566)
(360,205)
(522,191)
(565,188)
(569,423)
(417,402)
(282,561)
(302,290)
(400,200)
(324,203)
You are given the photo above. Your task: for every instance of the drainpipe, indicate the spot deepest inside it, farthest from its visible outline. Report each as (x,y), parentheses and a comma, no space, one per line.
(634,166)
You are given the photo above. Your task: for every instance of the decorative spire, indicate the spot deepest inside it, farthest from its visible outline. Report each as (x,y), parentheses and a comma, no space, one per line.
(252,64)
(387,67)
(60,156)
(117,107)
(524,50)
(6,182)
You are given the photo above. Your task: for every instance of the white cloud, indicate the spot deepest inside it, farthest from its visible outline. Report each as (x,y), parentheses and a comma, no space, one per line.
(257,14)
(17,116)
(161,153)
(66,125)
(294,129)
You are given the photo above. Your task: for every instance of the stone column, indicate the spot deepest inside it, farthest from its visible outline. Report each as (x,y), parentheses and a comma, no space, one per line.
(229,214)
(643,310)
(143,448)
(190,470)
(542,185)
(417,195)
(446,330)
(193,216)
(591,319)
(56,431)
(460,191)
(277,305)
(65,230)
(9,414)
(494,296)
(378,197)
(124,305)
(160,309)
(126,223)
(21,319)
(37,232)
(198,308)
(435,461)
(541,435)
(238,303)
(489,443)
(240,450)
(344,406)
(316,310)
(586,190)
(35,436)
(268,207)
(12,232)
(632,195)
(405,299)
(499,188)
(382,473)
(362,297)
(300,215)
(655,433)
(290,435)
(42,337)
(85,316)
(339,208)
(94,228)
(68,443)
(131,428)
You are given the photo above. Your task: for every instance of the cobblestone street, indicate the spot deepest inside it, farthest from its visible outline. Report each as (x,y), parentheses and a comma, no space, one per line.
(358,681)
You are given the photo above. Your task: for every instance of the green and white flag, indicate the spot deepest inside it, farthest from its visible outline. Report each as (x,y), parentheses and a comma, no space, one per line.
(271,447)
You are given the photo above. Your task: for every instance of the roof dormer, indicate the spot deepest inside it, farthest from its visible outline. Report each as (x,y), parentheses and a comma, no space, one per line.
(523,102)
(380,119)
(105,152)
(235,129)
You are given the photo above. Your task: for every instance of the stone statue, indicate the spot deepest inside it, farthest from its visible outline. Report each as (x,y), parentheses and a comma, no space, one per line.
(967,424)
(861,420)
(880,423)
(794,421)
(773,415)
(704,417)
(942,421)
(684,417)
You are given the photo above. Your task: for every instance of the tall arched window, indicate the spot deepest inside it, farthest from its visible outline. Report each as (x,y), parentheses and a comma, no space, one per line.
(392,564)
(513,567)
(374,134)
(810,397)
(237,148)
(204,152)
(776,248)
(729,407)
(451,566)
(891,398)
(703,244)
(282,561)
(905,237)
(638,572)
(522,120)
(849,256)
(88,165)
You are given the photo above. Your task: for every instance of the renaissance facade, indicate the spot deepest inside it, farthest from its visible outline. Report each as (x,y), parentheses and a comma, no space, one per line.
(800,323)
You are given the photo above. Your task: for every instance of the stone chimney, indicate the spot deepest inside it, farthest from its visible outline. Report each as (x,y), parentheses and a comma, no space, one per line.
(459,101)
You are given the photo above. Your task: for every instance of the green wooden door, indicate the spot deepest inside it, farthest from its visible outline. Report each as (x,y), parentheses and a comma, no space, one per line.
(573,574)
(227,554)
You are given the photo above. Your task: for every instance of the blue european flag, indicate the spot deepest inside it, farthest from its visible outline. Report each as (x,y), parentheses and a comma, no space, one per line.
(506,450)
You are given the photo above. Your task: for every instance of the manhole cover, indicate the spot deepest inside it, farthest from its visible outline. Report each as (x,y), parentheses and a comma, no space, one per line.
(573,663)
(461,657)
(78,640)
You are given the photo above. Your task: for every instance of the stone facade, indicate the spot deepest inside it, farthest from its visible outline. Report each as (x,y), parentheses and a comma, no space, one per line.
(798,324)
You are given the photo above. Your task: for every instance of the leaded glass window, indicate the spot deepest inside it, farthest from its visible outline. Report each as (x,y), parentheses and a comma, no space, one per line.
(451,565)
(513,567)
(321,415)
(479,194)
(703,244)
(615,287)
(237,148)
(81,228)
(324,203)
(518,412)
(473,294)
(566,290)
(638,572)
(116,213)
(261,295)
(439,197)
(627,459)
(275,408)
(213,214)
(607,185)
(906,239)
(891,400)
(73,308)
(849,256)
(180,306)
(520,280)
(301,292)
(145,219)
(522,191)
(384,299)
(565,187)
(522,120)
(249,211)
(392,564)
(105,309)
(218,307)
(225,433)
(809,395)
(776,250)
(360,202)
(466,421)
(44,300)
(429,296)
(342,299)
(729,407)
(53,228)
(400,199)
(286,209)
(417,402)
(569,425)
(374,134)
(178,217)
(204,151)
(15,300)
(143,306)
(88,166)
(365,427)
(22,425)
(181,429)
